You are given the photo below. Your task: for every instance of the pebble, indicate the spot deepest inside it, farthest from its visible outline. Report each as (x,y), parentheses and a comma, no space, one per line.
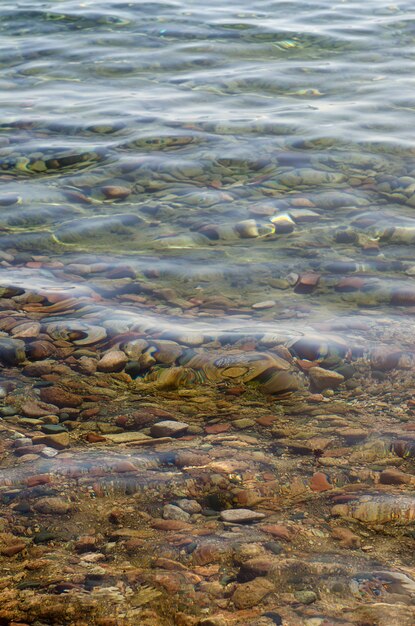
(250,594)
(324,379)
(319,482)
(59,397)
(267,304)
(241,516)
(305,596)
(170,511)
(112,361)
(52,506)
(168,428)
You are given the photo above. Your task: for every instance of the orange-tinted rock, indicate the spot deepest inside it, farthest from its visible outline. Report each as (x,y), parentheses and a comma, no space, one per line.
(346,537)
(307,282)
(277,530)
(60,397)
(169,564)
(319,482)
(38,479)
(12,548)
(250,594)
(116,192)
(324,379)
(217,428)
(94,438)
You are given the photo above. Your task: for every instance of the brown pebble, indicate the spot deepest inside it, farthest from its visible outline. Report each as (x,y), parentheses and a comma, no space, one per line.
(250,594)
(393,476)
(347,538)
(38,479)
(170,524)
(307,282)
(277,530)
(319,482)
(60,397)
(114,192)
(52,506)
(12,549)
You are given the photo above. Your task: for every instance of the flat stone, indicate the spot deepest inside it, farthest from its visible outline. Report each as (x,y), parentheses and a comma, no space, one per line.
(168,428)
(324,379)
(267,304)
(241,516)
(243,423)
(170,511)
(112,361)
(58,441)
(48,453)
(277,530)
(393,476)
(319,482)
(60,397)
(35,408)
(127,437)
(250,594)
(52,506)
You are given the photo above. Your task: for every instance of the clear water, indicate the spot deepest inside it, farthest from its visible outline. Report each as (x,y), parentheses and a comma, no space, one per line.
(232,177)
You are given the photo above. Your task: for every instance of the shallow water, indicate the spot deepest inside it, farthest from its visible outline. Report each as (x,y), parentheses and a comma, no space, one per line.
(199,205)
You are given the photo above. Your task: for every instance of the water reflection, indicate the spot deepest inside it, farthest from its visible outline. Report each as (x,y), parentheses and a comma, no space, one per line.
(207,299)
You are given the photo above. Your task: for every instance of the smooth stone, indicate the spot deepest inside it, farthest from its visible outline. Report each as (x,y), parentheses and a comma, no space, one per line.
(267,304)
(190,506)
(243,423)
(305,596)
(241,516)
(170,511)
(248,595)
(52,506)
(59,441)
(127,437)
(53,429)
(112,361)
(324,379)
(168,428)
(60,397)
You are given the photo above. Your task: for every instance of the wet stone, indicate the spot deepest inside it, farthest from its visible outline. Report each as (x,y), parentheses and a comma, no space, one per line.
(324,379)
(168,428)
(251,593)
(241,516)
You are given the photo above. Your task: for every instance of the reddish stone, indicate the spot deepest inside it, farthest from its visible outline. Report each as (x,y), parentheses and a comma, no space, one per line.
(276,530)
(266,420)
(60,397)
(169,564)
(94,438)
(395,477)
(319,482)
(123,466)
(217,428)
(38,479)
(29,450)
(13,548)
(307,282)
(346,537)
(350,283)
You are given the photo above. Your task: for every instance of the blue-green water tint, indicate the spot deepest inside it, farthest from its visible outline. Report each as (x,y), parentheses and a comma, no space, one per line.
(231,177)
